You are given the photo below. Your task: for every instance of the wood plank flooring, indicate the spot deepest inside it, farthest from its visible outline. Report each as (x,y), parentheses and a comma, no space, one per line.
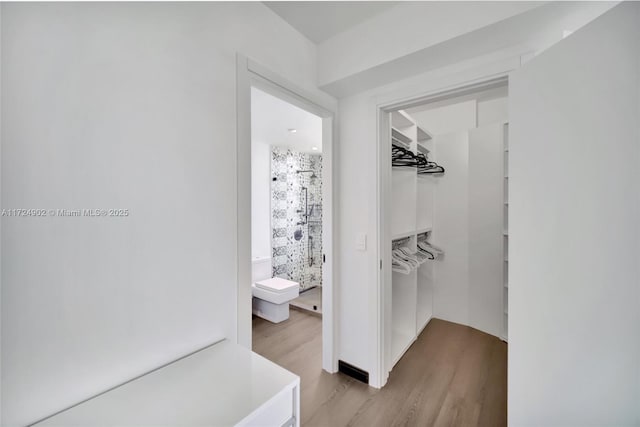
(452,375)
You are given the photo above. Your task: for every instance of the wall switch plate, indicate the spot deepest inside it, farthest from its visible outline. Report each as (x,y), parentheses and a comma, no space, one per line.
(361,242)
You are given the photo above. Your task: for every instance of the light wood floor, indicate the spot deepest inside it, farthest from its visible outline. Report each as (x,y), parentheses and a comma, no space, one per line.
(452,375)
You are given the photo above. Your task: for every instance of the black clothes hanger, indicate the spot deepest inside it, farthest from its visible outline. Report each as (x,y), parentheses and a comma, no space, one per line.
(425,167)
(401,157)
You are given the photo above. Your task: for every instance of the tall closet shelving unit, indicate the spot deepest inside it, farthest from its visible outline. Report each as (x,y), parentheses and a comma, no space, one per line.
(411,219)
(505,246)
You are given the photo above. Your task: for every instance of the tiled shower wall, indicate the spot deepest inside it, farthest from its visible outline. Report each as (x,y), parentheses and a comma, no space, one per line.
(290,257)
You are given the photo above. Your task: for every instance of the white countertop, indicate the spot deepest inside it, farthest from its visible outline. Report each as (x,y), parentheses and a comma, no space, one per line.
(217,386)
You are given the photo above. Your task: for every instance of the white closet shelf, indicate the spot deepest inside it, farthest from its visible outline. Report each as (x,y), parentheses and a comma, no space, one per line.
(401,119)
(412,169)
(505,233)
(422,149)
(410,233)
(398,135)
(395,141)
(423,135)
(402,235)
(424,229)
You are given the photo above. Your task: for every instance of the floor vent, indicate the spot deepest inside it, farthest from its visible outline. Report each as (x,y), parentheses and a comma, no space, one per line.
(353,372)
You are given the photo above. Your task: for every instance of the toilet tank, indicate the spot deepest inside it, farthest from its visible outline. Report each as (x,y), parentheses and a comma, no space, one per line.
(261,269)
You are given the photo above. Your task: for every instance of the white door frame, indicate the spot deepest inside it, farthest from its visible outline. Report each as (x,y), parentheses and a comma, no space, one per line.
(406,98)
(251,74)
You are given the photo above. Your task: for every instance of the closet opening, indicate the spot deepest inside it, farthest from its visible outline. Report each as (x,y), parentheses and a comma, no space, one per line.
(444,206)
(290,230)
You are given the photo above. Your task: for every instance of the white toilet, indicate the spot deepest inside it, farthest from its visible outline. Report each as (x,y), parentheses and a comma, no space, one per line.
(271,295)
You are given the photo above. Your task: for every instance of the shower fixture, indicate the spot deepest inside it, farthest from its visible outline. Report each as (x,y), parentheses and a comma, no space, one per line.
(313,174)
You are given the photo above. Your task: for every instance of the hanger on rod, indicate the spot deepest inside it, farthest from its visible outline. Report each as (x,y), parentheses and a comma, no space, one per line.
(401,157)
(426,167)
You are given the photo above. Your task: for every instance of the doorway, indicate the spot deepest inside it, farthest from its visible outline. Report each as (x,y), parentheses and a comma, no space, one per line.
(444,205)
(286,201)
(285,183)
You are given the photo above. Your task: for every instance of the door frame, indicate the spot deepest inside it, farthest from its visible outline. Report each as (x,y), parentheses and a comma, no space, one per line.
(251,74)
(406,97)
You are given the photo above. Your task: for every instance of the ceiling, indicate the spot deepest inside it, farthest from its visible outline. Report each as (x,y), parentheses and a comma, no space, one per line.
(320,20)
(272,119)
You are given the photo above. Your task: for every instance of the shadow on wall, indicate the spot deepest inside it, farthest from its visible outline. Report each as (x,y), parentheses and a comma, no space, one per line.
(296,216)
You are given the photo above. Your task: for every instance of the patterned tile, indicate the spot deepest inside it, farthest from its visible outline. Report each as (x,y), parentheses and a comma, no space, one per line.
(290,256)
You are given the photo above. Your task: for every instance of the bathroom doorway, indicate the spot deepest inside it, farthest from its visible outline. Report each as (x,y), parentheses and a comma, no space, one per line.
(290,150)
(286,204)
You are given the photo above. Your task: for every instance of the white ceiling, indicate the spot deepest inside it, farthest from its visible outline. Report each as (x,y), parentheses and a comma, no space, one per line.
(271,119)
(320,20)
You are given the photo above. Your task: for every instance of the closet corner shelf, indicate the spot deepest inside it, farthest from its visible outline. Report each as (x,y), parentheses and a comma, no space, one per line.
(398,135)
(401,119)
(423,135)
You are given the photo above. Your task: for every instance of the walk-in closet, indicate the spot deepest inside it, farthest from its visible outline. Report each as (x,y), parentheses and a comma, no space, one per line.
(446,217)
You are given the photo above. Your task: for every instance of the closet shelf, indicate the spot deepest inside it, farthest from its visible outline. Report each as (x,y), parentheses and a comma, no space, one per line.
(424,230)
(399,143)
(422,149)
(410,233)
(401,119)
(505,232)
(423,135)
(403,235)
(398,135)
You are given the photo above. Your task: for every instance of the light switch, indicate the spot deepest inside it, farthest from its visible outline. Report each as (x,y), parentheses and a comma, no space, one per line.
(361,242)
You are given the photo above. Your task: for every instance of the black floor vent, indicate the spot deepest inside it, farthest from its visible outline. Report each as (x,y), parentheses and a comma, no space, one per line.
(353,372)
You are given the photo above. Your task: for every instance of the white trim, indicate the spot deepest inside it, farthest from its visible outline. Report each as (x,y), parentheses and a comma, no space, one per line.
(250,73)
(405,96)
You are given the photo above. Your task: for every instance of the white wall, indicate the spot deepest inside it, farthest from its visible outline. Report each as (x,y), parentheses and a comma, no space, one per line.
(404,29)
(486,256)
(468,226)
(420,36)
(125,105)
(460,116)
(574,280)
(492,111)
(451,228)
(260,199)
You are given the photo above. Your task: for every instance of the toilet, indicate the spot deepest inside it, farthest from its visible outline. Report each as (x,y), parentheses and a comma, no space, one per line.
(271,295)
